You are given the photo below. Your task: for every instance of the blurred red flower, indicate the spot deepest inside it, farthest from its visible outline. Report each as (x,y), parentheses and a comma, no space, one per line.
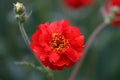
(77,3)
(57,45)
(112,4)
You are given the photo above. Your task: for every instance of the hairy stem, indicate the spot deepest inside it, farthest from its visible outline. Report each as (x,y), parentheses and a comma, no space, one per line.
(88,43)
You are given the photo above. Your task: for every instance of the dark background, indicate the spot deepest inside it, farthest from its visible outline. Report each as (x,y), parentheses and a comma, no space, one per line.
(102,62)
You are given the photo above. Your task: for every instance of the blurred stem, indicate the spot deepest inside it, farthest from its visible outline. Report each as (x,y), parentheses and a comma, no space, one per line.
(88,43)
(24,35)
(27,41)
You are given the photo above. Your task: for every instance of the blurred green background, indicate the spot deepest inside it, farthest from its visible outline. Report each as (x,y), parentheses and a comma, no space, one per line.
(102,62)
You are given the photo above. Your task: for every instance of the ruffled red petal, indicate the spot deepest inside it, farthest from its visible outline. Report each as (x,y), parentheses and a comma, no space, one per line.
(75,33)
(49,65)
(63,60)
(55,27)
(53,57)
(39,53)
(72,54)
(77,43)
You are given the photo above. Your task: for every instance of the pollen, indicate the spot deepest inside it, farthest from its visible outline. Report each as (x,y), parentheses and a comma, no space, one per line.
(58,42)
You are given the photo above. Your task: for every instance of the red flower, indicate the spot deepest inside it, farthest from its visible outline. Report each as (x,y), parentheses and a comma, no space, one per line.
(107,11)
(77,3)
(57,45)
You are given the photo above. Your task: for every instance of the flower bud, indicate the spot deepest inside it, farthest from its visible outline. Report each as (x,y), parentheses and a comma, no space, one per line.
(19,8)
(20,13)
(111,12)
(114,9)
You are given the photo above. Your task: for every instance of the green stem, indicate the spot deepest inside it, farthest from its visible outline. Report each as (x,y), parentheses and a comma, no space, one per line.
(24,35)
(27,41)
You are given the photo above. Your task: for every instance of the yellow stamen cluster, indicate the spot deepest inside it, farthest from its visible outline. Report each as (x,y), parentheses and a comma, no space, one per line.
(58,42)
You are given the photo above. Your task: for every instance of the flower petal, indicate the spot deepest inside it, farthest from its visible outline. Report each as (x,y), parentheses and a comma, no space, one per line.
(72,33)
(65,23)
(72,54)
(53,57)
(77,43)
(39,52)
(55,27)
(49,64)
(63,60)
(44,32)
(35,35)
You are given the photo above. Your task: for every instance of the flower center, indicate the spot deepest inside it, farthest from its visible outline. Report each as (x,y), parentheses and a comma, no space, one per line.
(58,42)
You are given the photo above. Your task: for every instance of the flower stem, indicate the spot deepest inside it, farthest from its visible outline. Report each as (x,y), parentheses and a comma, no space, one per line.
(24,35)
(27,41)
(88,43)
